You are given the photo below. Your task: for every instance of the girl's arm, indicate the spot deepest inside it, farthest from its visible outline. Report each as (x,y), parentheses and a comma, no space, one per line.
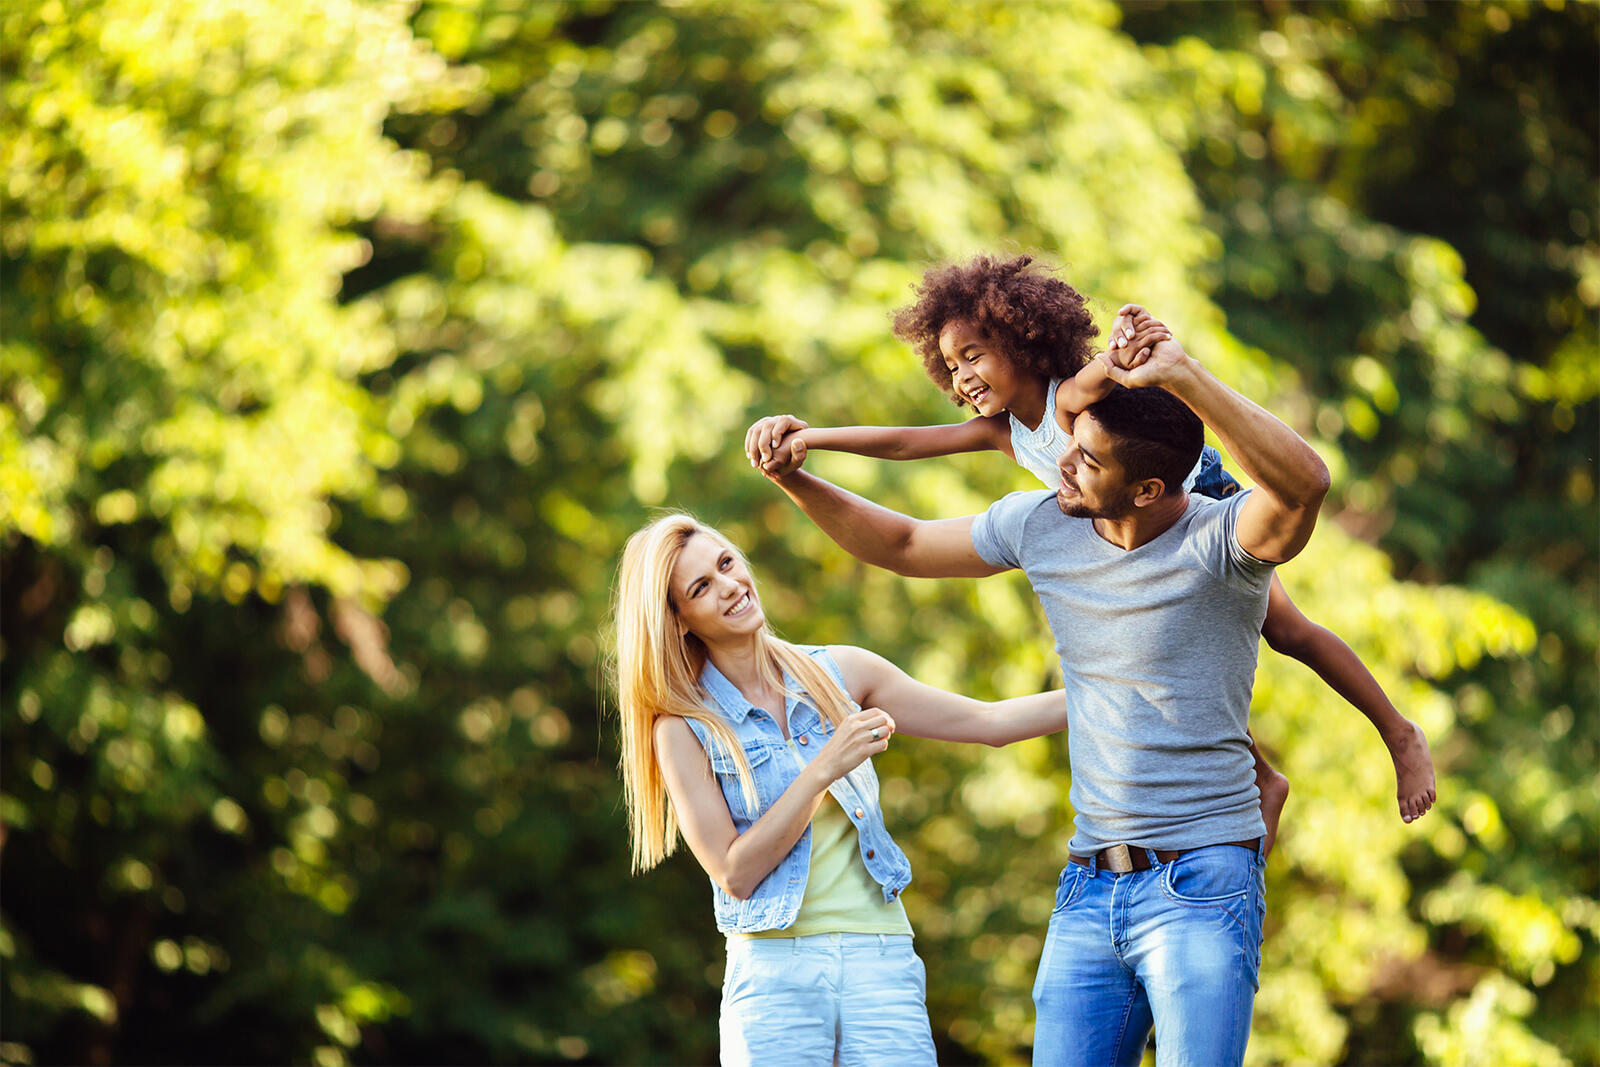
(880,442)
(1079,391)
(921,710)
(738,862)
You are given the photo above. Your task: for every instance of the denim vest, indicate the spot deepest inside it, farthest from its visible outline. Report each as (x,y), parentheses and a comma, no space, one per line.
(775,766)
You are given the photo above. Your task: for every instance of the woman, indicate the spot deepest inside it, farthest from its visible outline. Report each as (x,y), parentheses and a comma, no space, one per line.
(759,752)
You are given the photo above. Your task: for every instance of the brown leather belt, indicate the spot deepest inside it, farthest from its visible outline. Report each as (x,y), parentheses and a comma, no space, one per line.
(1120,859)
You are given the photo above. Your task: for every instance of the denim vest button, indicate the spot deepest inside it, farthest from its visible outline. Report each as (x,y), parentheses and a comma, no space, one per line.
(870,853)
(860,814)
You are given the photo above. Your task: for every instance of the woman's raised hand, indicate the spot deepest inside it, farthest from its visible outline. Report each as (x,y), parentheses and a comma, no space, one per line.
(862,734)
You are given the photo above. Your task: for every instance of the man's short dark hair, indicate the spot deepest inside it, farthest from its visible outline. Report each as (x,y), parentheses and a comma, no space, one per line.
(1154,434)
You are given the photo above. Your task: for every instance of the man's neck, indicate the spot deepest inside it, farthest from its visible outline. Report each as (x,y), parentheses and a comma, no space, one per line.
(1143,524)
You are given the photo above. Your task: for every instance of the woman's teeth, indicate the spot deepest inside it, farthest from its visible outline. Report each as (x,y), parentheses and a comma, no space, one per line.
(738,608)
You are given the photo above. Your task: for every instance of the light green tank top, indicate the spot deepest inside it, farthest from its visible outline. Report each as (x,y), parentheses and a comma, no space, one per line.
(841,897)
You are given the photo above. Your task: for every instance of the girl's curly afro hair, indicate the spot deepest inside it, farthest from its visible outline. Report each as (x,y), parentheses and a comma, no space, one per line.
(1040,322)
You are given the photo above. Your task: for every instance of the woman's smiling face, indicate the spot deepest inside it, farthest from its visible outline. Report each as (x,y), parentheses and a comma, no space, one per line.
(713,592)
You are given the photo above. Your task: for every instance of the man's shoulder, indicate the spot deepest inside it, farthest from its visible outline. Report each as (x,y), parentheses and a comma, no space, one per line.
(1024,505)
(1207,510)
(1006,529)
(1211,531)
(1030,512)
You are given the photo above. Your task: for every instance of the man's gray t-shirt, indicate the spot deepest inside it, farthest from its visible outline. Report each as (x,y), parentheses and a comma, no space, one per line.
(1158,651)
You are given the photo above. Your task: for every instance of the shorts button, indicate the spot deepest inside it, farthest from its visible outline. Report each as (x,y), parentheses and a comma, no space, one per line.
(804,740)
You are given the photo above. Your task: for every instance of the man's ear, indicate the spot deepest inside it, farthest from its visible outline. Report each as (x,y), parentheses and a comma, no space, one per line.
(1147,491)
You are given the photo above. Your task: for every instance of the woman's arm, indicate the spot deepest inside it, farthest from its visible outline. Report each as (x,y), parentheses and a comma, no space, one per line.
(738,862)
(922,710)
(880,442)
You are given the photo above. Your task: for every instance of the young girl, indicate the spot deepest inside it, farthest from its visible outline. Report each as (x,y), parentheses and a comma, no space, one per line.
(759,752)
(1015,345)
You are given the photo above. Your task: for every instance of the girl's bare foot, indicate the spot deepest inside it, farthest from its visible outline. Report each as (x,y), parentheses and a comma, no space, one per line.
(1413,770)
(1274,794)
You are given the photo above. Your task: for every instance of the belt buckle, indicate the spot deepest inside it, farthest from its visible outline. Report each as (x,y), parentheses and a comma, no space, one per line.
(1117,859)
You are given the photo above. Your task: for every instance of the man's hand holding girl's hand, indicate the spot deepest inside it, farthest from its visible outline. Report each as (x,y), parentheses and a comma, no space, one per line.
(1144,353)
(774,446)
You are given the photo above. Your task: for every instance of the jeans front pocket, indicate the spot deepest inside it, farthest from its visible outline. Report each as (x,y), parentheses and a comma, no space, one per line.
(1069,887)
(1220,877)
(737,955)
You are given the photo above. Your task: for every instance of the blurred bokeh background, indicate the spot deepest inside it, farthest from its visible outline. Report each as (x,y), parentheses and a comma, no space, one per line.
(344,343)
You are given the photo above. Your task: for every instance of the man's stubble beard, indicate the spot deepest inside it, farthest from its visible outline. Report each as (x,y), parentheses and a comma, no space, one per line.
(1119,509)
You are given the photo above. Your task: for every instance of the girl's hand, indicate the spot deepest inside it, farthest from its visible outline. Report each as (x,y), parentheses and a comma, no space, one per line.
(862,734)
(1163,363)
(1134,338)
(761,440)
(1129,318)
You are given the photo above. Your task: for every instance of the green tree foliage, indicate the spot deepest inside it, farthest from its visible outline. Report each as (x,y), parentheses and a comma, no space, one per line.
(183,404)
(344,346)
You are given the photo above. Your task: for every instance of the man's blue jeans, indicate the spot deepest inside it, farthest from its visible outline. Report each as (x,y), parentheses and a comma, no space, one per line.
(1177,946)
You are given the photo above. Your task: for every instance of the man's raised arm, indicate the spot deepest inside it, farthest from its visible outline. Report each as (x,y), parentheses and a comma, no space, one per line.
(874,534)
(1291,480)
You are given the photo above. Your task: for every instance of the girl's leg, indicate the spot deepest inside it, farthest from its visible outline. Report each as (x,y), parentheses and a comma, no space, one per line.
(1274,789)
(1289,632)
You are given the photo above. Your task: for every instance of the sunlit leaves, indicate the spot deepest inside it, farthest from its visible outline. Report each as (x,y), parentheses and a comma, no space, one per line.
(316,454)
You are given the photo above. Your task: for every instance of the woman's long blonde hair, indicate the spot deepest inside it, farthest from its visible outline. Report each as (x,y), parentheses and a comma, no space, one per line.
(657,672)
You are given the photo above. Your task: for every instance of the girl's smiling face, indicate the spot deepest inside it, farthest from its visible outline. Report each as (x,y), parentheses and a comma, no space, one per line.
(713,592)
(979,371)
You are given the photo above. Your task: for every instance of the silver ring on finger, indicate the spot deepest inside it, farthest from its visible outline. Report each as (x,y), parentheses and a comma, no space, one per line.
(875,734)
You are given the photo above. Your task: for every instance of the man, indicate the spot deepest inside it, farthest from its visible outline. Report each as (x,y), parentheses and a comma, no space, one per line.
(1155,599)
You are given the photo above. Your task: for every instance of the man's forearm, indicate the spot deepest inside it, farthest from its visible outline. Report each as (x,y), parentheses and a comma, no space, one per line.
(1276,458)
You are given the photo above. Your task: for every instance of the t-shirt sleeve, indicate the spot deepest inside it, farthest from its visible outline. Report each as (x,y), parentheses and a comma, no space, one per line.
(997,533)
(1216,534)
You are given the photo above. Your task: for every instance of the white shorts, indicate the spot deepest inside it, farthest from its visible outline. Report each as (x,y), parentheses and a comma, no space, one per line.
(842,999)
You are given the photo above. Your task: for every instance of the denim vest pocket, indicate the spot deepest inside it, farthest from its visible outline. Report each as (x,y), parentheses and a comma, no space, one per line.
(727,768)
(815,733)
